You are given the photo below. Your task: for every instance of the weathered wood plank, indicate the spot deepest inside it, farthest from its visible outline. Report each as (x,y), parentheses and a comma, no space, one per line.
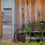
(26,13)
(29,11)
(7,26)
(44,10)
(7,31)
(7,36)
(0,19)
(20,13)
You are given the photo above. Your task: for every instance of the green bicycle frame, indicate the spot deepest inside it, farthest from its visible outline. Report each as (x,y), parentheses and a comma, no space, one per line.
(41,30)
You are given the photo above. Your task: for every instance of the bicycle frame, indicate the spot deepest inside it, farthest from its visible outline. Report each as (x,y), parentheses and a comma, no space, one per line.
(41,29)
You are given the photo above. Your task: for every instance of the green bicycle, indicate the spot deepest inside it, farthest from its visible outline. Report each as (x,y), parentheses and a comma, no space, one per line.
(28,32)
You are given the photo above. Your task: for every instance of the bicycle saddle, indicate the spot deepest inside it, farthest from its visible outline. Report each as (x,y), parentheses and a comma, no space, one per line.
(42,22)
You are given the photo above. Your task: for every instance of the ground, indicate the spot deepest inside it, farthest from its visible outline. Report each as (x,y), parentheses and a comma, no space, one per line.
(27,43)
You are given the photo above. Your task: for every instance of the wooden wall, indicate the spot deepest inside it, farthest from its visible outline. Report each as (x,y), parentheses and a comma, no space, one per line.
(0,20)
(29,11)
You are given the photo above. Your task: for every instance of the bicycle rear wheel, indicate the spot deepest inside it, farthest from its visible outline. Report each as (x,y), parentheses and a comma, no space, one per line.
(20,38)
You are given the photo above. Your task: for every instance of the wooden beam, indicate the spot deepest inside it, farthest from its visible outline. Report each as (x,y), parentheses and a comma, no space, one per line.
(26,14)
(29,11)
(20,13)
(0,19)
(44,10)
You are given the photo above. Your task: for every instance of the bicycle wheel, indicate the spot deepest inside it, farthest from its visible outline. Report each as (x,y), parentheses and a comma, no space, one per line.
(20,38)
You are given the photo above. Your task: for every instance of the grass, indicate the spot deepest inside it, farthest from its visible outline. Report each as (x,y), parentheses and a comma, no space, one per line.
(27,43)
